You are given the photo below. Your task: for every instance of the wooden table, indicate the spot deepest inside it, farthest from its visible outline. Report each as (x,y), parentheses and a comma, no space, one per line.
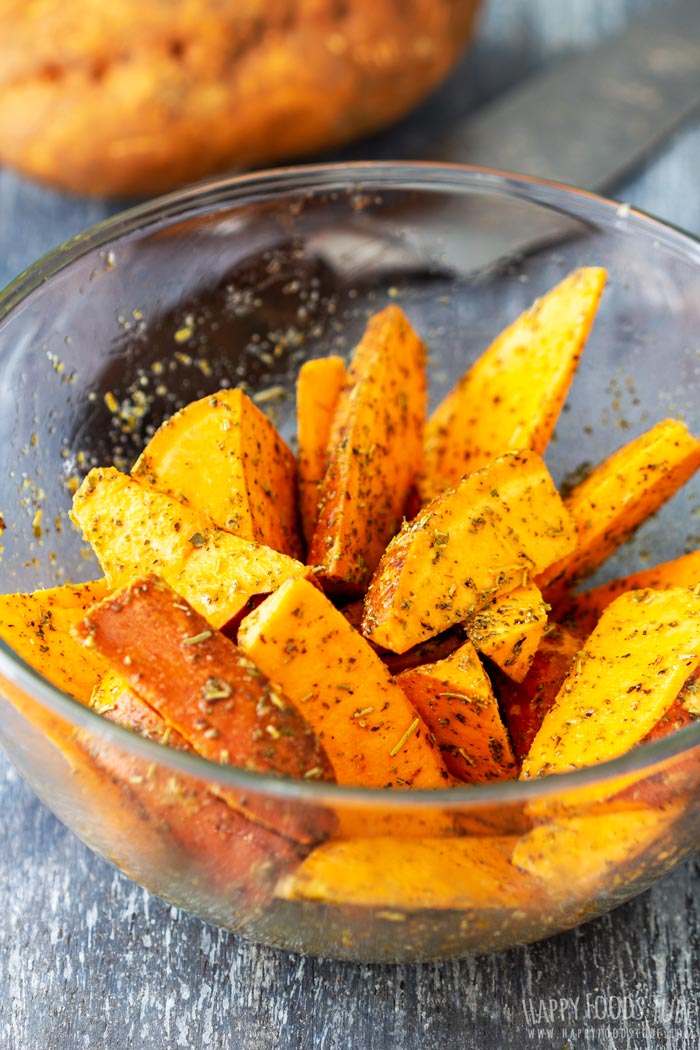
(88,959)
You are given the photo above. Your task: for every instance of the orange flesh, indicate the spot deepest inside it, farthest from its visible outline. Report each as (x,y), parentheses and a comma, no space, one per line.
(511,397)
(370,731)
(375,453)
(455,699)
(319,385)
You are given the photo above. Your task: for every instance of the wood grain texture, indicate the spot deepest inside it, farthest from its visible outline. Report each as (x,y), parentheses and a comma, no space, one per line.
(87,959)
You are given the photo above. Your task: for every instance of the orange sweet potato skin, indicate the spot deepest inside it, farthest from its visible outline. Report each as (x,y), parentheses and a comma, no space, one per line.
(132,99)
(201,685)
(525,703)
(249,485)
(375,452)
(319,385)
(233,854)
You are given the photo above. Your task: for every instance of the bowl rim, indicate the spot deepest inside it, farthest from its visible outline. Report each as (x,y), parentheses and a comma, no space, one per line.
(347,177)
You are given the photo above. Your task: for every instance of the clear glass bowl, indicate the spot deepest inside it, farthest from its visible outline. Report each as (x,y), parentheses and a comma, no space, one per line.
(238,281)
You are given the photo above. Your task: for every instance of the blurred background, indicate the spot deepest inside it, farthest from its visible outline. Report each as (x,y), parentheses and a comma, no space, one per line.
(103,103)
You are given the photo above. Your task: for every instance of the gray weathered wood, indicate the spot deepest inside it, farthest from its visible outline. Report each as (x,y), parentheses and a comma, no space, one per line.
(87,959)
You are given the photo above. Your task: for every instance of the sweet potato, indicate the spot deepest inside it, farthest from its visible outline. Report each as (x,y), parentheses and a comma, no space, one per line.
(114,699)
(203,687)
(487,536)
(582,611)
(509,629)
(455,700)
(223,457)
(409,874)
(319,384)
(375,453)
(618,496)
(235,854)
(38,627)
(371,733)
(623,681)
(524,704)
(511,397)
(684,710)
(135,530)
(592,848)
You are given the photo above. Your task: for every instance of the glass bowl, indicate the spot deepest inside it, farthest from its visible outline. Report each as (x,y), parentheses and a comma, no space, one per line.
(238,281)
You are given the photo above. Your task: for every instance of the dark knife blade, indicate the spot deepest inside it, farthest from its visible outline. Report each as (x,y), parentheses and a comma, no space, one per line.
(592,118)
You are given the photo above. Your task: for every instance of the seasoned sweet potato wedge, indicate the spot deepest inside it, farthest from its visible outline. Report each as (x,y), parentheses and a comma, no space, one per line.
(235,854)
(206,690)
(509,629)
(371,733)
(39,626)
(487,536)
(455,700)
(524,704)
(512,395)
(683,711)
(319,384)
(375,453)
(618,496)
(135,531)
(408,874)
(591,846)
(114,699)
(224,457)
(622,683)
(582,611)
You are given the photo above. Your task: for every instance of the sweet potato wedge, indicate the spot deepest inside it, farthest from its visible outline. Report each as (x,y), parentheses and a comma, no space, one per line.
(114,699)
(618,496)
(511,396)
(487,536)
(622,683)
(135,531)
(223,457)
(455,700)
(375,453)
(319,384)
(524,704)
(233,853)
(591,848)
(410,874)
(582,611)
(509,629)
(205,689)
(684,710)
(371,733)
(38,627)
